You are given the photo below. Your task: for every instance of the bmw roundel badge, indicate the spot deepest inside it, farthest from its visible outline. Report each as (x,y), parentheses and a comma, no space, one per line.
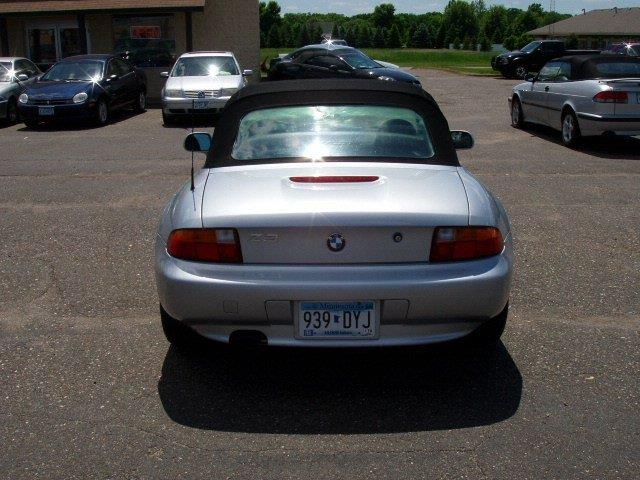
(201,94)
(336,242)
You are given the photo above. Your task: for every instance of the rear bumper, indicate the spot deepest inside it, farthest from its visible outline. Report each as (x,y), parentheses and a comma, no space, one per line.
(591,124)
(419,303)
(61,112)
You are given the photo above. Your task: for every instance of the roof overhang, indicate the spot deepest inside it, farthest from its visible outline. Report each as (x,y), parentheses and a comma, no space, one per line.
(29,7)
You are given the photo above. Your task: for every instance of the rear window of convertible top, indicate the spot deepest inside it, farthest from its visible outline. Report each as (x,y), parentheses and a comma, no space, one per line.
(317,132)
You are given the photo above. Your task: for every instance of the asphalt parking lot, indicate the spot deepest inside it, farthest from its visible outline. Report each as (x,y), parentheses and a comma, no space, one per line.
(91,389)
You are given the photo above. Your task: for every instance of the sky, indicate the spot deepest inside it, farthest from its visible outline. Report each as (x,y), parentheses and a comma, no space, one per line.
(352,7)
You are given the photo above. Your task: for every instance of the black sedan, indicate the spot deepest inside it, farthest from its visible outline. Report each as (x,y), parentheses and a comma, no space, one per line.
(85,87)
(334,61)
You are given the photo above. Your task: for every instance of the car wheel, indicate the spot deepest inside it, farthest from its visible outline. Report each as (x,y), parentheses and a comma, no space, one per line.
(141,104)
(489,333)
(177,333)
(516,113)
(570,129)
(102,112)
(12,112)
(521,71)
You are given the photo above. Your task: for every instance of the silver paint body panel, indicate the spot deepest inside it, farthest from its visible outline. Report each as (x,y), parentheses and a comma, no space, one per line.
(283,229)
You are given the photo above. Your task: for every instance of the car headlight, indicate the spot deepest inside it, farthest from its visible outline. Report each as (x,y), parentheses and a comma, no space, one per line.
(387,79)
(24,98)
(80,97)
(173,93)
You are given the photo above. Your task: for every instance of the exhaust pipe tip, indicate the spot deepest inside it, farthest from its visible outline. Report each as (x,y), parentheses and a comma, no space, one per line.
(248,338)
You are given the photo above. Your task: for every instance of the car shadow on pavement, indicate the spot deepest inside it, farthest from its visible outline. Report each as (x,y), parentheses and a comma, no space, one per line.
(622,148)
(77,125)
(340,392)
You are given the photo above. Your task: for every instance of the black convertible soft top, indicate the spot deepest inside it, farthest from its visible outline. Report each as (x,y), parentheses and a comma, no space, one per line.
(584,67)
(330,92)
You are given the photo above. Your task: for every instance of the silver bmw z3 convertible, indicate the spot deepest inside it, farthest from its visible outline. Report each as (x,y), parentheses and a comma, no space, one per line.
(333,213)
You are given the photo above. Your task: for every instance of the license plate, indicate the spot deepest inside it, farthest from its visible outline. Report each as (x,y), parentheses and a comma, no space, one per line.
(199,105)
(331,320)
(45,111)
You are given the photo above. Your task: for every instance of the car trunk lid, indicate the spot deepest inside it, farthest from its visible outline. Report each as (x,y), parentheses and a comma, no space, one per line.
(386,218)
(632,86)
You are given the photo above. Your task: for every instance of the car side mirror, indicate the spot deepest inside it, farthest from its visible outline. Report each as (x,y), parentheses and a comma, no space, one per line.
(247,73)
(530,78)
(462,140)
(197,142)
(22,77)
(164,74)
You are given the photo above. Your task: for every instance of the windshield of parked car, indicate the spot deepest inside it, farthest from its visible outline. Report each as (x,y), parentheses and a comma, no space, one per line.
(80,70)
(530,47)
(205,66)
(358,59)
(317,132)
(617,69)
(5,72)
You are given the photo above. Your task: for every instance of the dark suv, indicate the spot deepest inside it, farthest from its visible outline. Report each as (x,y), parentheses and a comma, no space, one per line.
(532,57)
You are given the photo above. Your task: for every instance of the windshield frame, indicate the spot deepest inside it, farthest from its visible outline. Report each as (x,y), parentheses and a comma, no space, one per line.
(172,74)
(356,115)
(537,44)
(47,76)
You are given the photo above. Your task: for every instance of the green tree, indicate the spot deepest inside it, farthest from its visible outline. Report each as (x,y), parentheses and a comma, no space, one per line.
(495,23)
(393,40)
(384,15)
(273,38)
(484,43)
(510,42)
(269,15)
(571,42)
(335,31)
(456,43)
(303,39)
(466,43)
(422,37)
(350,37)
(379,40)
(459,19)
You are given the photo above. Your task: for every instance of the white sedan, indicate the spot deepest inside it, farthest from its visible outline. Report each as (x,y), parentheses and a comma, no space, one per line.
(201,83)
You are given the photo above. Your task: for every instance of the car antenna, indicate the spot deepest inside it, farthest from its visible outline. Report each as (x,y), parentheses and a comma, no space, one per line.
(193,120)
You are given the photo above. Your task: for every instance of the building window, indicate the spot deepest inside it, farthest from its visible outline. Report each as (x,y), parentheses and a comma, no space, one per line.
(146,41)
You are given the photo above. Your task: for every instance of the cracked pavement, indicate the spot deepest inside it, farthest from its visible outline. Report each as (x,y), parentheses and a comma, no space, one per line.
(91,389)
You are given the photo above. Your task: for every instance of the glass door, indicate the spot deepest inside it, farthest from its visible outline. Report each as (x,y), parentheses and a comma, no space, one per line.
(50,43)
(43,49)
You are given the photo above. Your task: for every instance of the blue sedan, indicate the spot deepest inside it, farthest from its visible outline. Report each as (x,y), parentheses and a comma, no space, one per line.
(86,87)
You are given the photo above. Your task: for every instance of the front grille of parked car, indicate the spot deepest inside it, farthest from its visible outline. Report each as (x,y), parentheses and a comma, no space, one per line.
(50,101)
(206,93)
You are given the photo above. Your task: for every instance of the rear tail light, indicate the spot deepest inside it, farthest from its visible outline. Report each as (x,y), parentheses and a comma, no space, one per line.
(454,244)
(336,179)
(205,245)
(611,96)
